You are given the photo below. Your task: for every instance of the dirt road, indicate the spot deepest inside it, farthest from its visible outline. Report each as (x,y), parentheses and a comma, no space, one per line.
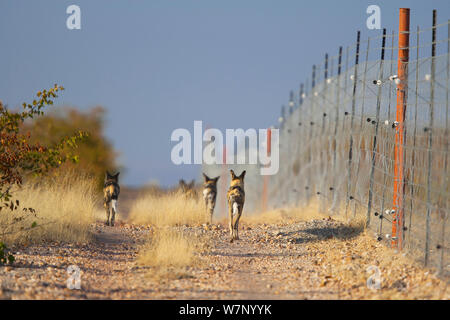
(319,259)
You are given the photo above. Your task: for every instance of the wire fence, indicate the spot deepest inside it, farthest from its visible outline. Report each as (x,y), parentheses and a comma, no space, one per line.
(339,136)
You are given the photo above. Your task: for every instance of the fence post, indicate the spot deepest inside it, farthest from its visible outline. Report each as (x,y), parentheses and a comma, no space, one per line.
(386,138)
(377,122)
(444,211)
(311,123)
(413,156)
(430,140)
(266,177)
(350,152)
(403,57)
(361,126)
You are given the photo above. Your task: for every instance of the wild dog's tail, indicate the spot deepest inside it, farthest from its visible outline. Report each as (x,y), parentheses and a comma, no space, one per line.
(235,207)
(114,204)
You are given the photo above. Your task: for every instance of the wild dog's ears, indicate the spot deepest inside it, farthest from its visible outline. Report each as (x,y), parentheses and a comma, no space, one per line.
(116,176)
(242,175)
(182,183)
(192,184)
(107,175)
(206,177)
(216,178)
(233,176)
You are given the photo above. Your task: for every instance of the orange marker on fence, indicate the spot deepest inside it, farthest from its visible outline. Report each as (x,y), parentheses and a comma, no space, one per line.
(400,137)
(266,178)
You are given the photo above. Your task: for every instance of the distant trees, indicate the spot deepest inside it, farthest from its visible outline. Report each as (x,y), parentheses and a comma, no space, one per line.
(94,155)
(22,154)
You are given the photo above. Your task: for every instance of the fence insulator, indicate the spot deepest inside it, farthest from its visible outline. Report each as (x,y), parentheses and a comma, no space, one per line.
(324,114)
(280,119)
(331,188)
(427,77)
(386,122)
(387,235)
(393,77)
(377,82)
(316,94)
(379,238)
(368,119)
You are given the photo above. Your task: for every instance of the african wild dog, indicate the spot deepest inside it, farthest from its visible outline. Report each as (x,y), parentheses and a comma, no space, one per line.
(236,199)
(209,194)
(188,189)
(111,192)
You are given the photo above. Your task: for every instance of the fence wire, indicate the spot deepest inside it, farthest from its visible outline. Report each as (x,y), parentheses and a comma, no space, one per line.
(337,143)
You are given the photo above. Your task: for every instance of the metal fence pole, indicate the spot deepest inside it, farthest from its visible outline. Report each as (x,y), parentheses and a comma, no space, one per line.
(444,210)
(430,141)
(403,57)
(350,152)
(413,156)
(386,135)
(377,122)
(361,121)
(311,124)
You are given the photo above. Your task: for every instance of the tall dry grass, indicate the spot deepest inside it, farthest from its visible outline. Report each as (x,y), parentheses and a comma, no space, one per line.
(285,215)
(64,209)
(170,209)
(167,248)
(170,249)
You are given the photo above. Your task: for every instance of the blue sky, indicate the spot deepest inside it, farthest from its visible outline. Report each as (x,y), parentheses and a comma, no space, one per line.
(159,65)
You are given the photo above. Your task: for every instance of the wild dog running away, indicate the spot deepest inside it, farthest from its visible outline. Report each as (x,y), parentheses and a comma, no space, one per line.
(236,199)
(188,189)
(209,194)
(111,192)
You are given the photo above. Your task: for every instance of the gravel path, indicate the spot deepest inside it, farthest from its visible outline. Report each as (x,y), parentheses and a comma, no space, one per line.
(320,259)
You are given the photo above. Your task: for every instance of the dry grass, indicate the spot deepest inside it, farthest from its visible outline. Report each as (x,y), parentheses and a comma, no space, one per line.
(168,248)
(64,209)
(284,215)
(349,263)
(169,209)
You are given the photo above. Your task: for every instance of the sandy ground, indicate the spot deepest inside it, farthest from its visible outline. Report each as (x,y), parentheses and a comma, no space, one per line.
(319,259)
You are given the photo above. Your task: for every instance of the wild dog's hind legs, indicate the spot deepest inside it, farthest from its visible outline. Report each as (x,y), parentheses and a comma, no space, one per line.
(231,222)
(113,216)
(107,208)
